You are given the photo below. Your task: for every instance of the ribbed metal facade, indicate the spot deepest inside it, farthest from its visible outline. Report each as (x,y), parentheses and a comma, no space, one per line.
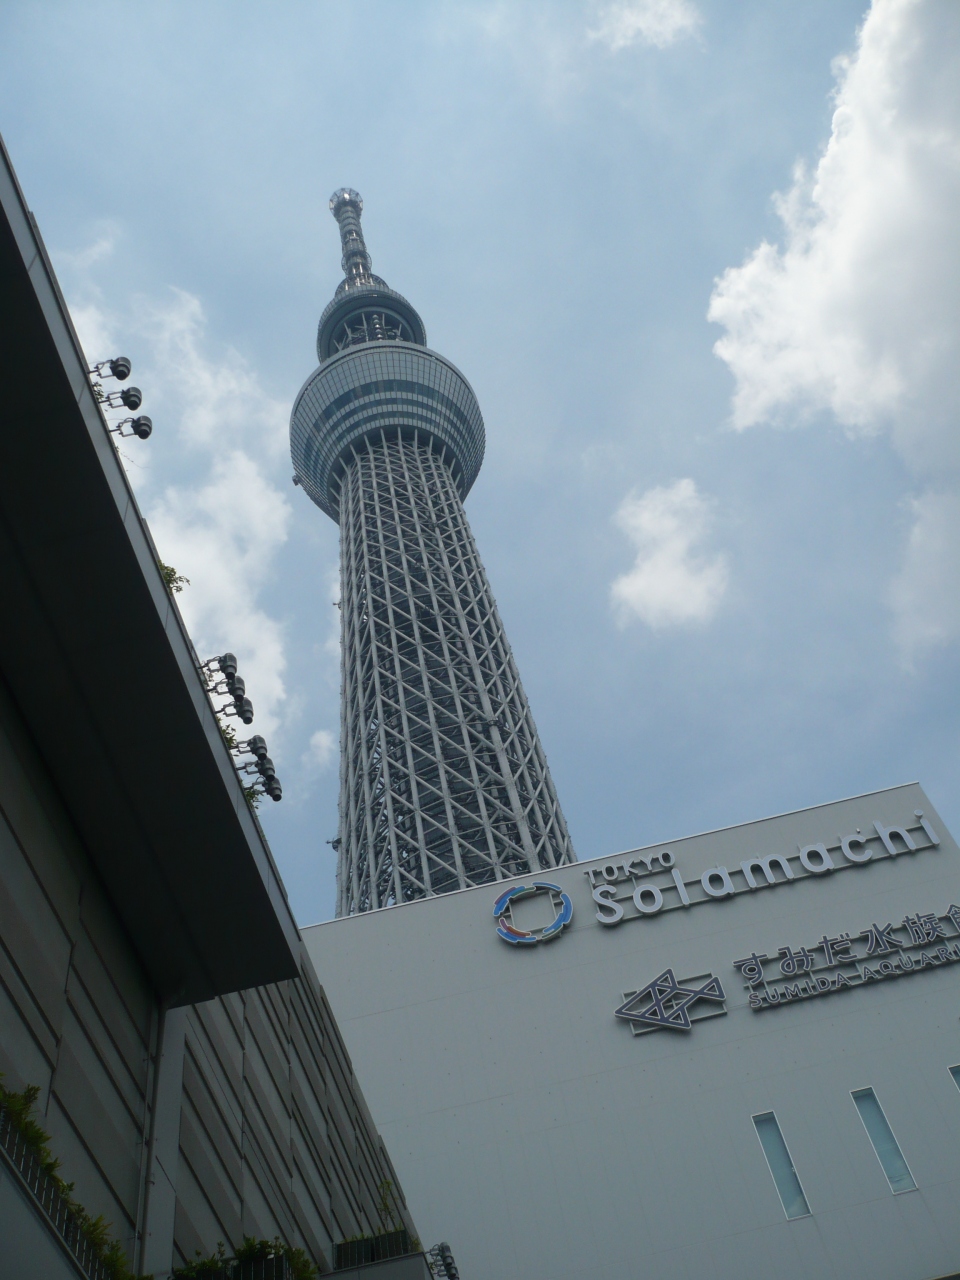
(444,784)
(391,387)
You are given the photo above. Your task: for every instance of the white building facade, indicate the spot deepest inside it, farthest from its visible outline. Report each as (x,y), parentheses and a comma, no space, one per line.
(726,1057)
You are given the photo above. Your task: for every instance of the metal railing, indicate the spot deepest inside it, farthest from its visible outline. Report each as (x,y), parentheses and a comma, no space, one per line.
(360,1253)
(46,1193)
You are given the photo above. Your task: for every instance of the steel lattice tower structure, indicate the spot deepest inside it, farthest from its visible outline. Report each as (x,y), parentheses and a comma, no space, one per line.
(443,782)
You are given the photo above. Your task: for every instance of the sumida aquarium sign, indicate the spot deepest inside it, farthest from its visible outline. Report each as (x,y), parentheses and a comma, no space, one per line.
(636,886)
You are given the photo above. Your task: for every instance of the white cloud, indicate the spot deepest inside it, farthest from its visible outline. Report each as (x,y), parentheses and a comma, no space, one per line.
(94,331)
(224,520)
(858,312)
(656,22)
(549,46)
(925,594)
(224,525)
(95,328)
(320,752)
(217,401)
(673,582)
(223,536)
(81,260)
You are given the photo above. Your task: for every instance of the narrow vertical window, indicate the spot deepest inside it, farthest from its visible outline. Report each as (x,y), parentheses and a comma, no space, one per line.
(955,1072)
(884,1143)
(781,1166)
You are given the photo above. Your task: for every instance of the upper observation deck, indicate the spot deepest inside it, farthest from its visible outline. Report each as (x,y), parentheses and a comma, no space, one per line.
(376,376)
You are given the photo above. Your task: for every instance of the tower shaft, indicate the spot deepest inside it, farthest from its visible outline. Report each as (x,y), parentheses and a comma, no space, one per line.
(443,781)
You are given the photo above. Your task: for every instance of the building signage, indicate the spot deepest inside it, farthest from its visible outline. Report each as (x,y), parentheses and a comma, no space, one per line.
(664,1004)
(527,937)
(652,883)
(875,954)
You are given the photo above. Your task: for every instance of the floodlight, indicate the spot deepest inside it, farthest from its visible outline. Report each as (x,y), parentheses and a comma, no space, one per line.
(119,367)
(227,662)
(140,427)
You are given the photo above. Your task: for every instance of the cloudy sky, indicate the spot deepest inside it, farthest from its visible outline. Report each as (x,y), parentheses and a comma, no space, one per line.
(699,261)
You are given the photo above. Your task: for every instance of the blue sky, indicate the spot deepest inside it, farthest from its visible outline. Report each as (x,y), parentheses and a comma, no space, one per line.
(731,580)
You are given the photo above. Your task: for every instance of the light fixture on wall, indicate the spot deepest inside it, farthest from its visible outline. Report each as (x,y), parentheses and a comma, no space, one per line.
(229,683)
(119,367)
(141,427)
(261,764)
(128,398)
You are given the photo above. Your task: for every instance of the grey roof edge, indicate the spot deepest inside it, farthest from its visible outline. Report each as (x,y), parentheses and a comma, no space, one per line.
(39,269)
(607,857)
(755,822)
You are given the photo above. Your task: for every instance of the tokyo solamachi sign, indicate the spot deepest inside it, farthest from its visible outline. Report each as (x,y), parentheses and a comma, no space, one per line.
(639,885)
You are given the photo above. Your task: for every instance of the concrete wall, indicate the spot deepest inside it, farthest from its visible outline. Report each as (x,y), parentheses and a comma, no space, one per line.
(261,1126)
(76,1015)
(275,1137)
(538,1135)
(412,1267)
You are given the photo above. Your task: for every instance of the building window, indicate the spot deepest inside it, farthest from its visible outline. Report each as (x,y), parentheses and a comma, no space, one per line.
(955,1072)
(884,1143)
(781,1166)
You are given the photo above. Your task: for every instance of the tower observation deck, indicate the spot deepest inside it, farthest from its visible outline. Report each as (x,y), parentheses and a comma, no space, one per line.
(443,782)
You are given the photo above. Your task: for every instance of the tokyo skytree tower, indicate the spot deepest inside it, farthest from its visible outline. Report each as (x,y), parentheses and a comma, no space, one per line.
(443,782)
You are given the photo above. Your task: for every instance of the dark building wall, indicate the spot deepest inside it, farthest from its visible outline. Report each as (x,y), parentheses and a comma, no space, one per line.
(183,1126)
(76,1013)
(274,1135)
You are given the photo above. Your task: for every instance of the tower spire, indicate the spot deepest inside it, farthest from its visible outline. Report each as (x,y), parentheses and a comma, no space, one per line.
(346,206)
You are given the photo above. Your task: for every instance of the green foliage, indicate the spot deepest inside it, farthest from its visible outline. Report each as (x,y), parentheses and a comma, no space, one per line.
(173,581)
(416,1246)
(300,1264)
(208,1268)
(390,1214)
(20,1107)
(388,1202)
(218,1264)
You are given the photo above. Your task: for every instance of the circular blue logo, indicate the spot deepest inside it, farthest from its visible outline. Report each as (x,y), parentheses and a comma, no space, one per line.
(529,938)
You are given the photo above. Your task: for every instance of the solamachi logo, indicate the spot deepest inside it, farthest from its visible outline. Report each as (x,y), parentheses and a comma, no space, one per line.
(526,937)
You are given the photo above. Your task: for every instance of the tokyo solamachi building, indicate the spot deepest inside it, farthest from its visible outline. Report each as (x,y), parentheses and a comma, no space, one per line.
(733,1055)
